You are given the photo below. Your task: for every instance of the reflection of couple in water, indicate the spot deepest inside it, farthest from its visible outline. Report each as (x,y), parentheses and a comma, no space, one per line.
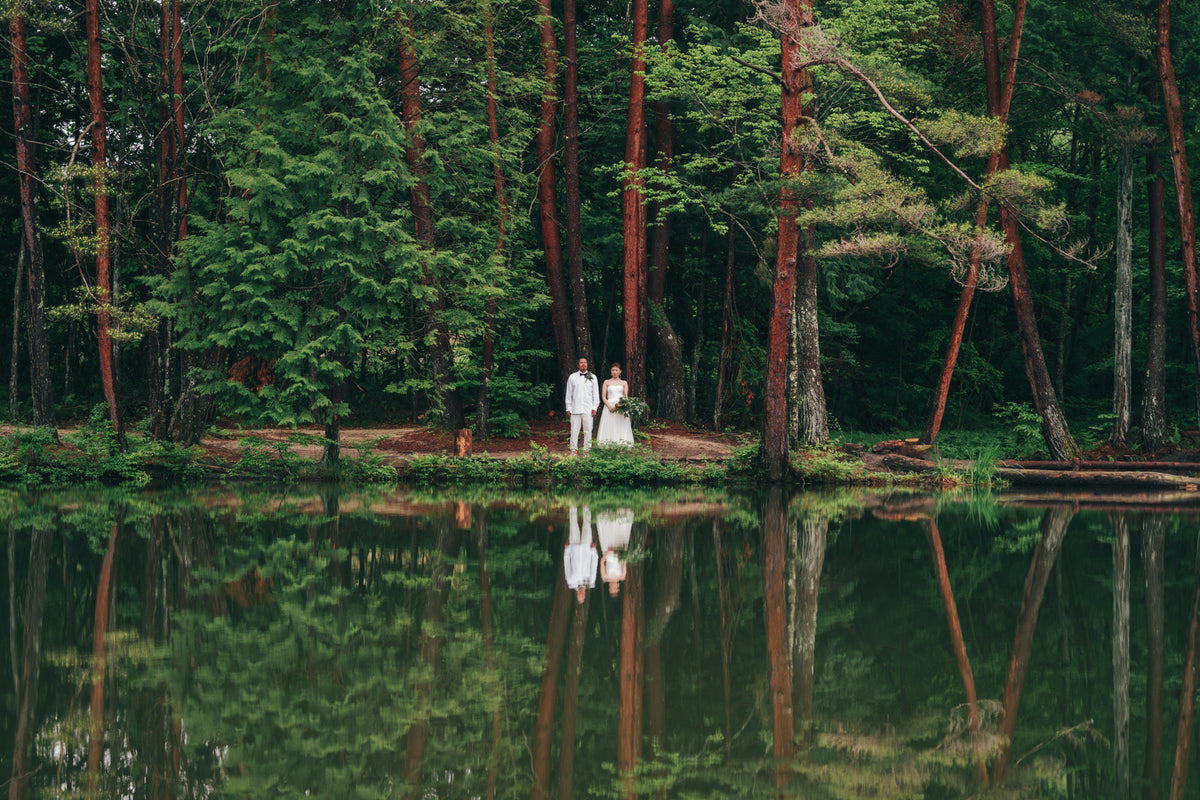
(581,556)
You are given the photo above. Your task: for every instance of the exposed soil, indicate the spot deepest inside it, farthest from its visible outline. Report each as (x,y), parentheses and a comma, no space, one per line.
(666,440)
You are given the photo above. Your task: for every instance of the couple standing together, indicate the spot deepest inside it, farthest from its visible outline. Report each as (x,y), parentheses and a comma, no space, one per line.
(583,398)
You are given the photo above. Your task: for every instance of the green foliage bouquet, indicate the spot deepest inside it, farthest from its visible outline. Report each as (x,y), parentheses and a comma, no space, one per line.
(635,408)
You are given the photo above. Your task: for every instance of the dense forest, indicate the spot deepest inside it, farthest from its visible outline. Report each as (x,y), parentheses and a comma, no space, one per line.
(788,216)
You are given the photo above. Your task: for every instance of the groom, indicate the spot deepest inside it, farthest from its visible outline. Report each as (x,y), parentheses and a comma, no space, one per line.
(583,398)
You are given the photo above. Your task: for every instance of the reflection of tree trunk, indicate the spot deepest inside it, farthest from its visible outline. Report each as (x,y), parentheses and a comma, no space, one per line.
(30,658)
(726,634)
(1054,527)
(1187,695)
(956,638)
(1120,656)
(1154,531)
(566,758)
(429,653)
(668,557)
(104,589)
(629,718)
(774,524)
(489,654)
(808,543)
(555,639)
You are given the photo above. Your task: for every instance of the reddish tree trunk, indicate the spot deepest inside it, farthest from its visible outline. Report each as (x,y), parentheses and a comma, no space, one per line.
(1054,527)
(445,394)
(726,332)
(1183,182)
(956,639)
(774,527)
(560,317)
(797,83)
(583,333)
(104,278)
(39,360)
(633,210)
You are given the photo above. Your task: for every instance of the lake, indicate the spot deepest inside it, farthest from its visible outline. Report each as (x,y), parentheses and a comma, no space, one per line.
(253,642)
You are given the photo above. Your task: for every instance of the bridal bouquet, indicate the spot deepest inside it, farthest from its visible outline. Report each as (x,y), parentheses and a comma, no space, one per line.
(635,408)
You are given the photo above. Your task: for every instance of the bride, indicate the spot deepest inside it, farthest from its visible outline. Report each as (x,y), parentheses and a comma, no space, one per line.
(615,427)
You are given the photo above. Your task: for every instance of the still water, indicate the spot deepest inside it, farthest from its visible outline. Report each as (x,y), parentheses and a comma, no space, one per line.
(279,643)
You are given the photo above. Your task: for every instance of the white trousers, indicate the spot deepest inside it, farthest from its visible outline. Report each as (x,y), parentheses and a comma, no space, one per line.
(581,423)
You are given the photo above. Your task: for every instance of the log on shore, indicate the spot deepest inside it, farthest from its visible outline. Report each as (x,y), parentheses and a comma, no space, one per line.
(1112,466)
(1048,477)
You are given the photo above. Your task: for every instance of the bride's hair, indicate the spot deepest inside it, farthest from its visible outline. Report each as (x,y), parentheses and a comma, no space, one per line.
(615,364)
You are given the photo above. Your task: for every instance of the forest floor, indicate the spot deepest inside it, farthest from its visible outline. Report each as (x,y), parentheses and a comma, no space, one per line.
(666,441)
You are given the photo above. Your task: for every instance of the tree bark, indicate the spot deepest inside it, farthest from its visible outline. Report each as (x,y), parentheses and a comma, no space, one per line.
(811,418)
(796,92)
(958,642)
(1123,299)
(1183,184)
(105,298)
(446,398)
(1154,389)
(564,344)
(583,332)
(633,210)
(25,137)
(15,349)
(1054,528)
(727,325)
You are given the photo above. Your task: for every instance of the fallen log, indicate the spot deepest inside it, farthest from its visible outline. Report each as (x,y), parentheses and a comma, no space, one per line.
(1115,466)
(1048,477)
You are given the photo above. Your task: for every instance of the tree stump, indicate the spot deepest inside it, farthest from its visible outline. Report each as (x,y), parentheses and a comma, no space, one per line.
(462,443)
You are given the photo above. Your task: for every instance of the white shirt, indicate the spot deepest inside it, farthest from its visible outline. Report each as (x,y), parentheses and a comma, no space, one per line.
(583,394)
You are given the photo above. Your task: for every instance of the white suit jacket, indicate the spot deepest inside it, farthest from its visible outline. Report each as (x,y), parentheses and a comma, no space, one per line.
(583,395)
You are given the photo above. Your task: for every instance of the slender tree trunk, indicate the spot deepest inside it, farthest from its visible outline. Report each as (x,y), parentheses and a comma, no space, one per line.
(105,296)
(808,544)
(1183,184)
(774,531)
(1120,657)
(959,643)
(1187,693)
(1154,390)
(488,360)
(668,347)
(1154,531)
(811,418)
(104,593)
(727,323)
(633,209)
(429,652)
(1123,299)
(564,344)
(445,394)
(15,349)
(796,93)
(25,137)
(560,615)
(583,332)
(1054,528)
(30,661)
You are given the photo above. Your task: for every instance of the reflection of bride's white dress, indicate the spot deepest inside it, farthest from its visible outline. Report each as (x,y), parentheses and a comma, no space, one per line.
(614,528)
(615,427)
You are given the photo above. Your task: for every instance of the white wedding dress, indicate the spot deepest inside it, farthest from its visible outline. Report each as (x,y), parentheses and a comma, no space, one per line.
(615,427)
